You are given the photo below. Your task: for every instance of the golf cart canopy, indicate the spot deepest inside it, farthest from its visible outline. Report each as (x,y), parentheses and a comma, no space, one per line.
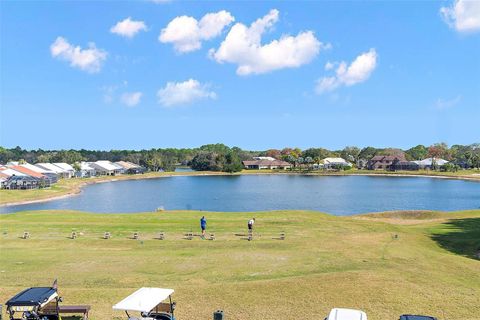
(144,299)
(34,297)
(346,314)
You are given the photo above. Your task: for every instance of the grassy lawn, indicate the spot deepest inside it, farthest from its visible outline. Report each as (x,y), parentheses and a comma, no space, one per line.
(71,186)
(325,262)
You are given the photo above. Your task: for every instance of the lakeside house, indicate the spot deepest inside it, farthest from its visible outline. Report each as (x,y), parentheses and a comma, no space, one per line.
(404,165)
(431,163)
(23,182)
(384,162)
(266,164)
(68,169)
(51,167)
(130,167)
(86,171)
(105,168)
(334,163)
(42,179)
(52,176)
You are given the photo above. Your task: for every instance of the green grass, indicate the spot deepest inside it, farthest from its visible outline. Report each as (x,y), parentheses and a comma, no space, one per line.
(324,262)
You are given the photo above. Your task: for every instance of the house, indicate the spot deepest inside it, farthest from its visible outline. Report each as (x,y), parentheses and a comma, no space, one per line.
(264,158)
(104,167)
(266,164)
(431,163)
(52,176)
(404,165)
(70,171)
(333,163)
(130,167)
(86,171)
(43,181)
(51,167)
(22,182)
(10,172)
(384,162)
(3,178)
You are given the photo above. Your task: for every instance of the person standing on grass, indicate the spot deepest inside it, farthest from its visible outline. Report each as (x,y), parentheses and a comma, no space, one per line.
(250,225)
(203,225)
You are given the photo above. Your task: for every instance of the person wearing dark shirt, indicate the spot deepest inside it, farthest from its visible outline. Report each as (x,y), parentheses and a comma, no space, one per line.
(203,225)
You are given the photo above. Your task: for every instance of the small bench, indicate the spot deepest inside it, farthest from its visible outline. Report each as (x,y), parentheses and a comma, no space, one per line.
(189,235)
(26,235)
(106,235)
(74,235)
(79,309)
(282,236)
(161,236)
(212,236)
(135,236)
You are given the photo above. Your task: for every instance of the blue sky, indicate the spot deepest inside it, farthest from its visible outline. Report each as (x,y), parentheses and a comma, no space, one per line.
(307,74)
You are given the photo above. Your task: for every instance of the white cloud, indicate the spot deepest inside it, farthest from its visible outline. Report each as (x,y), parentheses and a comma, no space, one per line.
(463,15)
(243,47)
(131,99)
(187,34)
(358,71)
(180,93)
(443,104)
(89,59)
(128,27)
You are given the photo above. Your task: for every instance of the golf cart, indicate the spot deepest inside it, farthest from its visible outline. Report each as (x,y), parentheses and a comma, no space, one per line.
(346,314)
(149,303)
(416,317)
(40,303)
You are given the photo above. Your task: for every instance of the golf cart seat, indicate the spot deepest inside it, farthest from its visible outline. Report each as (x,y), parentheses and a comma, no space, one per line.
(416,317)
(346,314)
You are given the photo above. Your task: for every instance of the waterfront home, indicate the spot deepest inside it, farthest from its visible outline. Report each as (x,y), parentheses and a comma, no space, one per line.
(22,182)
(431,163)
(51,167)
(70,171)
(130,167)
(264,158)
(11,172)
(52,176)
(384,162)
(86,171)
(404,165)
(3,178)
(104,167)
(334,163)
(266,164)
(43,180)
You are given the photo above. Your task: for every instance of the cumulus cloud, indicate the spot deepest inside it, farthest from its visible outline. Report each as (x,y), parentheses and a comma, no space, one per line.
(348,75)
(187,33)
(89,59)
(128,27)
(243,46)
(131,99)
(463,15)
(181,93)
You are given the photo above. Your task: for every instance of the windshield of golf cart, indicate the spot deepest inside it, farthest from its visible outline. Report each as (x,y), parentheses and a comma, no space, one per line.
(151,302)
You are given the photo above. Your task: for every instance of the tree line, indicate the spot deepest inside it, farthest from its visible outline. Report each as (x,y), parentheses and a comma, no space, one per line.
(219,157)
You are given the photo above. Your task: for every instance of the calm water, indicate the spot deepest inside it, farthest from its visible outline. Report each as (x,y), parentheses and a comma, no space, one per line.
(336,195)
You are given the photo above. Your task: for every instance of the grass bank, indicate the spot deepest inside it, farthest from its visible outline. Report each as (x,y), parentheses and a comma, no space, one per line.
(386,264)
(67,187)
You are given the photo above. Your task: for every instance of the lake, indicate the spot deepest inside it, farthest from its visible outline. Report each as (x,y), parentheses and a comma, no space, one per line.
(339,195)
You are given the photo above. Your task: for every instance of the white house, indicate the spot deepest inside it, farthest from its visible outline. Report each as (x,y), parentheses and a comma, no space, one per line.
(10,172)
(430,163)
(104,167)
(52,176)
(51,167)
(335,162)
(67,168)
(86,170)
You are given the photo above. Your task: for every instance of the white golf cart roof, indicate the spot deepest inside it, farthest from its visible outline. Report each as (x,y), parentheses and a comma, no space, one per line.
(346,314)
(144,299)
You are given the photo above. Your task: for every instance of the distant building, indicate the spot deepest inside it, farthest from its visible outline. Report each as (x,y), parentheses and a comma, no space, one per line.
(43,181)
(22,182)
(104,167)
(384,162)
(404,165)
(264,158)
(70,171)
(86,171)
(430,163)
(266,164)
(62,173)
(330,163)
(130,167)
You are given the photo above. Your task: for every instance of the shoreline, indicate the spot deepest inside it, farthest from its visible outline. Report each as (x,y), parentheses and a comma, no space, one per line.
(76,190)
